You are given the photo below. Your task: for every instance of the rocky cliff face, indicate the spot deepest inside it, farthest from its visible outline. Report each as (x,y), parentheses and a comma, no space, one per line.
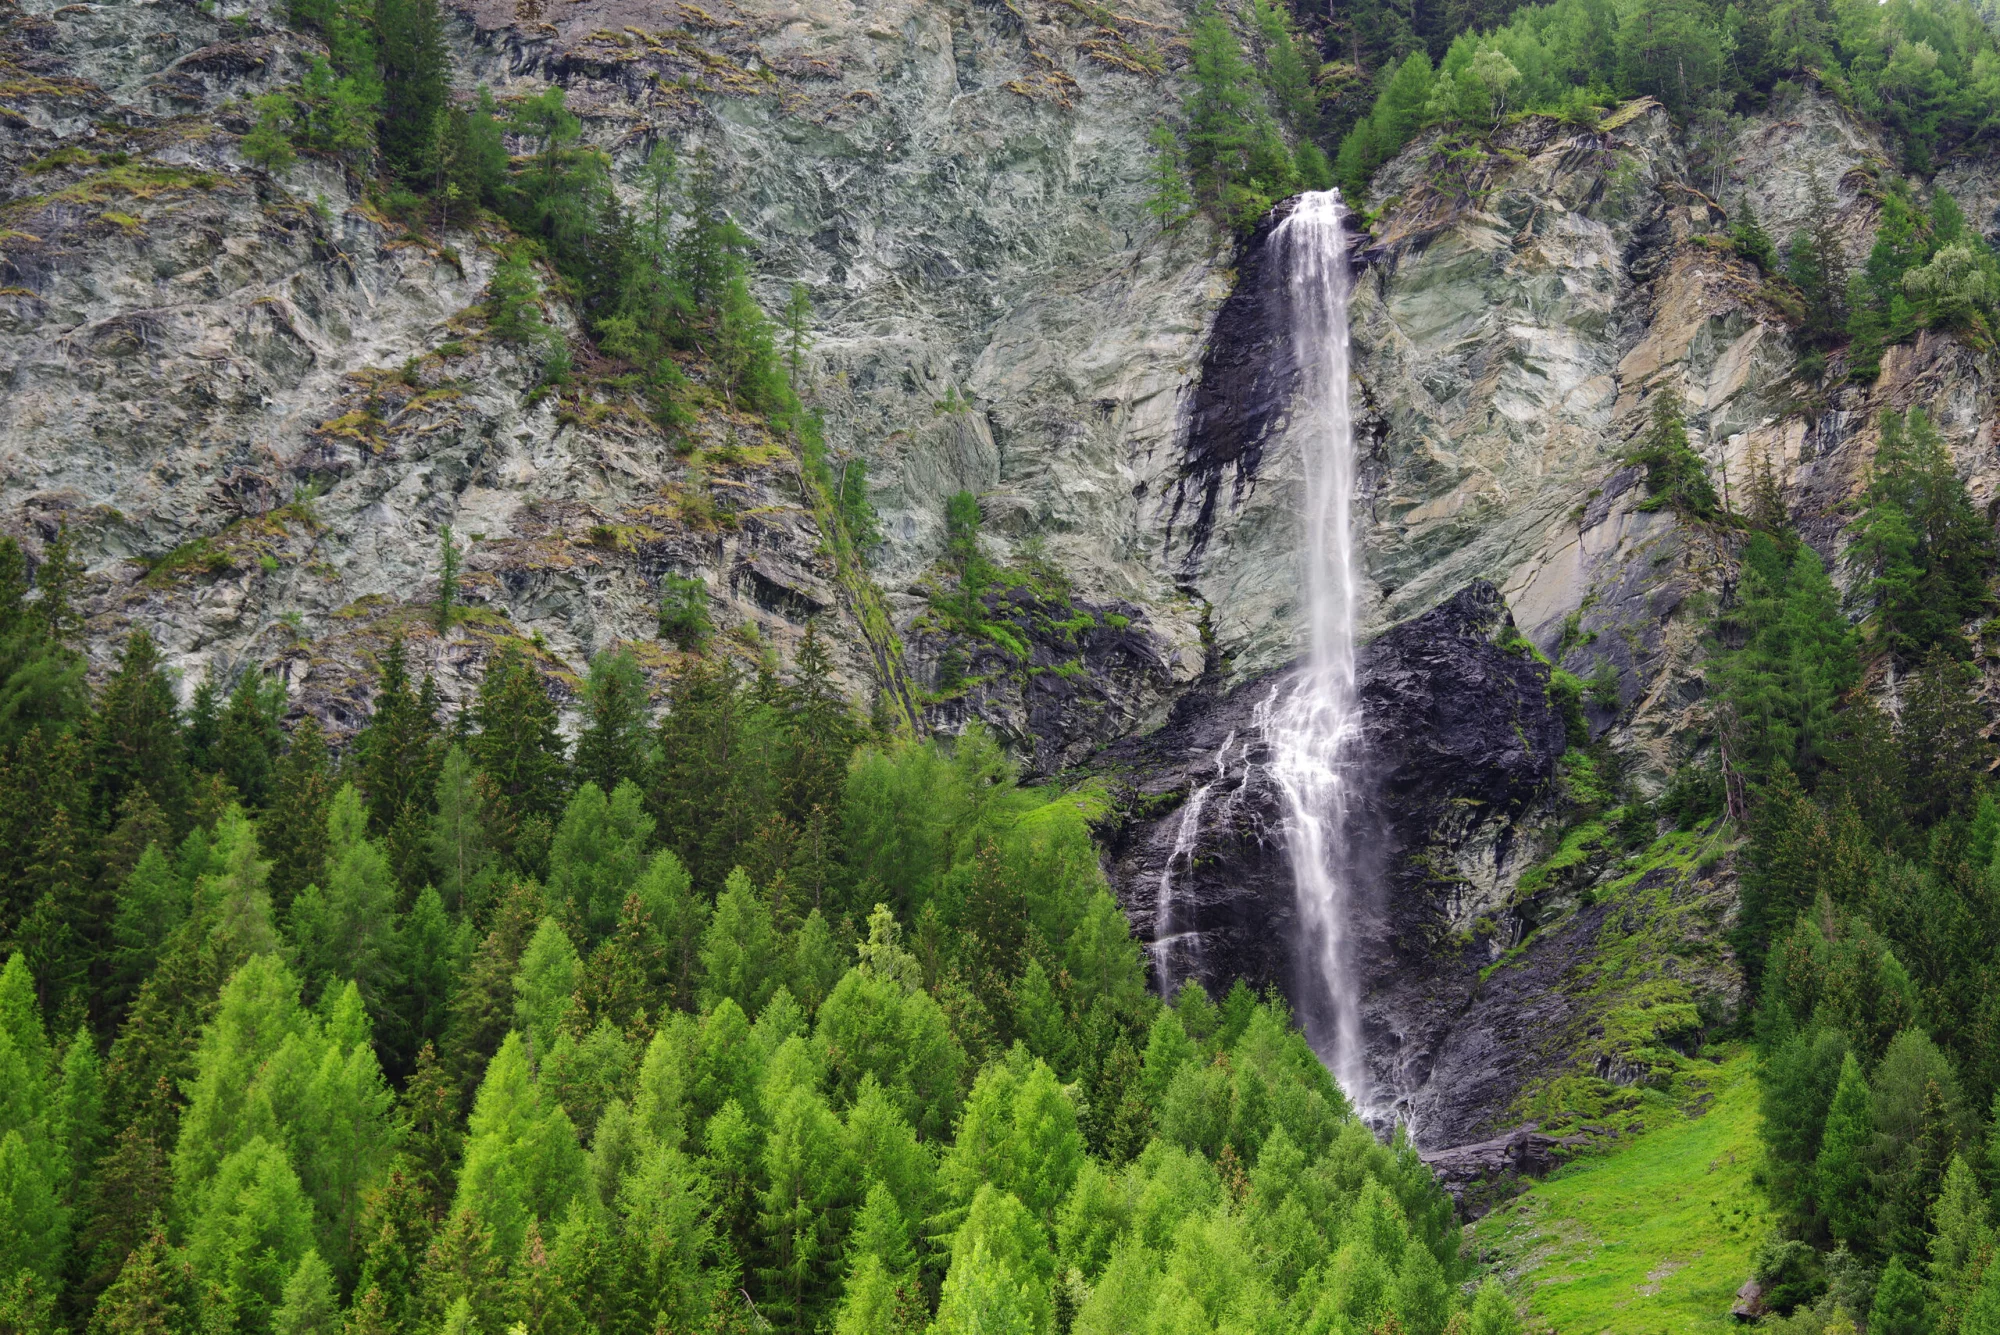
(1512,326)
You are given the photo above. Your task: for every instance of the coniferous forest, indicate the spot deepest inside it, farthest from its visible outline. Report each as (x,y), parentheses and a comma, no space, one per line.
(736,1006)
(750,1019)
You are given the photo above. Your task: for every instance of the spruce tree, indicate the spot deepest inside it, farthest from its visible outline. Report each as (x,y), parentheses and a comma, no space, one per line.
(1752,242)
(136,735)
(397,754)
(152,1295)
(616,731)
(294,831)
(1817,266)
(517,745)
(416,87)
(707,788)
(1676,477)
(1840,1173)
(1900,1307)
(59,588)
(819,737)
(250,737)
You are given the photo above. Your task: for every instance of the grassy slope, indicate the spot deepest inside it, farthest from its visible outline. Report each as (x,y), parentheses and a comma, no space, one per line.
(1653,1239)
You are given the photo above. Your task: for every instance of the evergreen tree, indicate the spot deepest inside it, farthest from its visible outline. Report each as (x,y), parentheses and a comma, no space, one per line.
(522,1160)
(1841,1171)
(308,1306)
(518,747)
(708,788)
(1752,242)
(616,729)
(1899,1307)
(1817,267)
(461,851)
(597,857)
(1928,548)
(1676,477)
(545,987)
(396,756)
(59,587)
(416,86)
(1168,199)
(137,737)
(482,1011)
(250,1225)
(152,1294)
(348,929)
(1941,731)
(740,955)
(819,736)
(294,829)
(1797,660)
(250,737)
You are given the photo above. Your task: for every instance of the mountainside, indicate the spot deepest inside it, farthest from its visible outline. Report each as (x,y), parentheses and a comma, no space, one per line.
(1035,476)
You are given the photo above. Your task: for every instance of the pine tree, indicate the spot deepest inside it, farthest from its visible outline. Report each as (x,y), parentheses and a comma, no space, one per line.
(1840,1173)
(517,745)
(137,737)
(294,830)
(416,85)
(545,987)
(249,1228)
(397,754)
(616,728)
(450,558)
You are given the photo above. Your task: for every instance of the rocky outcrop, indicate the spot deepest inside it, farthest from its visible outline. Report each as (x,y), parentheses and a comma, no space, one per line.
(1461,744)
(1479,1175)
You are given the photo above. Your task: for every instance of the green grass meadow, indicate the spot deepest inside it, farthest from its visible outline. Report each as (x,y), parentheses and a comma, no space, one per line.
(1650,1239)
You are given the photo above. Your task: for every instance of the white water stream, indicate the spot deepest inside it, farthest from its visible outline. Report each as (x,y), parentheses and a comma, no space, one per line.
(1313,727)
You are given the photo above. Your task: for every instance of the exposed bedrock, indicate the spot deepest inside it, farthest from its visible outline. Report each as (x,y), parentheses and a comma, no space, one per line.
(1460,746)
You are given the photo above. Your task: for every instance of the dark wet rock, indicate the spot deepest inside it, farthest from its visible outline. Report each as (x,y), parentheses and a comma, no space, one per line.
(1461,746)
(1481,1175)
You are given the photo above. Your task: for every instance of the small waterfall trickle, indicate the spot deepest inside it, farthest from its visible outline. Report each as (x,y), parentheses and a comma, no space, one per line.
(1313,726)
(1166,936)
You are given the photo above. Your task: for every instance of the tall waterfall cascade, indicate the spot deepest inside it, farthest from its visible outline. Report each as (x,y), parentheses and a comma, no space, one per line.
(1312,723)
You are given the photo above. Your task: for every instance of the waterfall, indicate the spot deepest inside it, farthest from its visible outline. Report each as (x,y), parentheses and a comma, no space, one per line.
(1165,937)
(1313,725)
